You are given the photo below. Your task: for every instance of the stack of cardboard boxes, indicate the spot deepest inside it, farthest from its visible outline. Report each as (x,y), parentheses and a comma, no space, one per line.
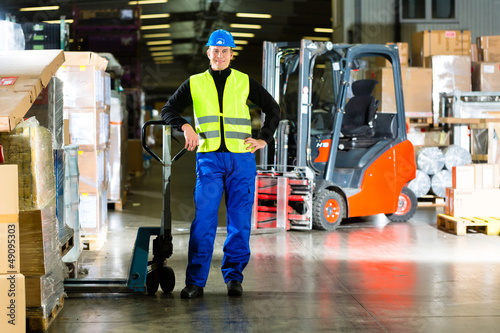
(12,283)
(87,124)
(475,191)
(486,71)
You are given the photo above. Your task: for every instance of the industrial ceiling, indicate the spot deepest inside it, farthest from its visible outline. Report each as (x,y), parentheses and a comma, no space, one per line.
(188,24)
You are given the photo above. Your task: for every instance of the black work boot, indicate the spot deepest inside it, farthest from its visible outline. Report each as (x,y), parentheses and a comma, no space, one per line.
(191,291)
(234,288)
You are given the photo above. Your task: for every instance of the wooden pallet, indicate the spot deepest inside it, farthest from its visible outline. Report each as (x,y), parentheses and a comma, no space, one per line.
(431,201)
(38,321)
(118,205)
(66,247)
(93,243)
(419,121)
(461,225)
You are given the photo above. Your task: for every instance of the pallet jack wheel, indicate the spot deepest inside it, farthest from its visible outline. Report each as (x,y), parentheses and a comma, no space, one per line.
(328,210)
(152,282)
(407,206)
(167,279)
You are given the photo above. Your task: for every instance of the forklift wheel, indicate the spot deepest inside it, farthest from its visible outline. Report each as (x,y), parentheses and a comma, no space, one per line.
(329,209)
(407,206)
(152,282)
(167,279)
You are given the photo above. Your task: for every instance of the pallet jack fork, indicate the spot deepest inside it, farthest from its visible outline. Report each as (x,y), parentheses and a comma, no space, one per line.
(144,275)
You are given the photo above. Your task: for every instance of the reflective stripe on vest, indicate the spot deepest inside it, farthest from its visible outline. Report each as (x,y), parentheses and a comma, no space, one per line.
(236,116)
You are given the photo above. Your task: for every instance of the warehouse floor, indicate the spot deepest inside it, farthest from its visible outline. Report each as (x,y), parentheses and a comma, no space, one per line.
(368,276)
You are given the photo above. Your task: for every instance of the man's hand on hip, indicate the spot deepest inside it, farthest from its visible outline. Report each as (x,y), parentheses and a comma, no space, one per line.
(255,144)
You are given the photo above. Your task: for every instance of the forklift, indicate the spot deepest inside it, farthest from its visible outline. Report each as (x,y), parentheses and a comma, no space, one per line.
(336,155)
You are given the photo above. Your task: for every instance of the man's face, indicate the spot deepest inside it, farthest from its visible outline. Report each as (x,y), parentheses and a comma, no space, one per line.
(219,56)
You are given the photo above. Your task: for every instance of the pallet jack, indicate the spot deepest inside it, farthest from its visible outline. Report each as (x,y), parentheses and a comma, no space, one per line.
(144,275)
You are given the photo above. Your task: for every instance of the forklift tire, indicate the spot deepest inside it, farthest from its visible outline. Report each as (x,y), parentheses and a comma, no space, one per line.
(407,206)
(328,210)
(167,279)
(152,282)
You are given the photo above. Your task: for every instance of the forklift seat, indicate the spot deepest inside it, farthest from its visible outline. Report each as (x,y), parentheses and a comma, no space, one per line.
(360,111)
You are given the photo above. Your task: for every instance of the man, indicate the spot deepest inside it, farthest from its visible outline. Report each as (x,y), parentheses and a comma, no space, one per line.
(225,160)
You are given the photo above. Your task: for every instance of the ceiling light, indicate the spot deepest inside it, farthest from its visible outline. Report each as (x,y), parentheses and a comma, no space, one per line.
(238,48)
(240,42)
(245,26)
(236,54)
(159,42)
(166,34)
(326,30)
(155,26)
(58,21)
(163,58)
(160,48)
(157,54)
(146,2)
(242,34)
(153,16)
(253,15)
(38,9)
(325,39)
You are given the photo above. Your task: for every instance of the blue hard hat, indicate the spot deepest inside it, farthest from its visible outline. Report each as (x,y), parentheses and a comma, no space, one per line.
(221,38)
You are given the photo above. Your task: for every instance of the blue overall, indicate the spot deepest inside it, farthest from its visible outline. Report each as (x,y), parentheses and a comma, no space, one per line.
(216,172)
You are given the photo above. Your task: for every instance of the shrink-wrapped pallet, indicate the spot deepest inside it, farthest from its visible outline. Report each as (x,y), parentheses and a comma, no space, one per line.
(30,147)
(71,200)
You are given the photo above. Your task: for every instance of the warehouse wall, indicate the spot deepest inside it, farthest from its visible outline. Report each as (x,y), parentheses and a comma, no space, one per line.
(375,22)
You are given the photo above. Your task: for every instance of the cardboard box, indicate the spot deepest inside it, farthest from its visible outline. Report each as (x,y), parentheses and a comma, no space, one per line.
(472,202)
(23,75)
(463,177)
(429,139)
(83,86)
(490,175)
(486,42)
(92,165)
(39,241)
(12,303)
(478,176)
(9,194)
(9,247)
(382,62)
(78,58)
(489,55)
(93,213)
(417,90)
(439,42)
(88,126)
(448,73)
(486,76)
(135,155)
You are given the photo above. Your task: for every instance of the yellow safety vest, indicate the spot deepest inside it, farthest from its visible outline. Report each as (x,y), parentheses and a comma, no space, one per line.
(236,116)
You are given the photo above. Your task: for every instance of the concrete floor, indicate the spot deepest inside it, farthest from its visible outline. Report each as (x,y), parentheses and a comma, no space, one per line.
(368,276)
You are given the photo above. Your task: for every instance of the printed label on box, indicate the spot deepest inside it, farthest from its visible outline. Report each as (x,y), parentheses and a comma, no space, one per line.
(7,81)
(490,69)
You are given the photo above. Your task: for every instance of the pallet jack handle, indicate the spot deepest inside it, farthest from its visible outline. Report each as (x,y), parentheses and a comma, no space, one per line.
(143,138)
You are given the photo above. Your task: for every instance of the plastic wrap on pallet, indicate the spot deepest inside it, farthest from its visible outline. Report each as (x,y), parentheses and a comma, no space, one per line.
(44,293)
(421,185)
(30,147)
(83,86)
(65,231)
(71,200)
(48,110)
(430,160)
(11,36)
(481,140)
(93,211)
(440,181)
(456,156)
(115,163)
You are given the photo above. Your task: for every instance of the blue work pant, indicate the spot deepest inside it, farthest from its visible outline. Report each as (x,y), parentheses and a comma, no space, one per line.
(216,172)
